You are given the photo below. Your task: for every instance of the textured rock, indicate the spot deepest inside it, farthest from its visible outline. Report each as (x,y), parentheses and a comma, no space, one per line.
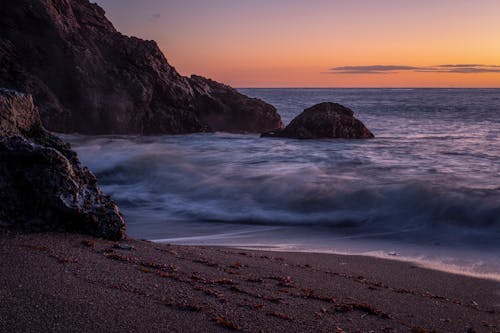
(86,77)
(222,108)
(42,185)
(324,120)
(17,116)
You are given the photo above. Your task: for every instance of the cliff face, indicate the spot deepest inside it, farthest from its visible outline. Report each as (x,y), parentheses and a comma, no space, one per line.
(86,77)
(222,108)
(42,185)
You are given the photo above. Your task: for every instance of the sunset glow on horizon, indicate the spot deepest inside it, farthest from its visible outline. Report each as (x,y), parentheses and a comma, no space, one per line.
(322,43)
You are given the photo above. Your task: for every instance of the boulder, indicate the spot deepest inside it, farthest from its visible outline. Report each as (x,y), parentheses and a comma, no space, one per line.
(42,184)
(324,121)
(87,77)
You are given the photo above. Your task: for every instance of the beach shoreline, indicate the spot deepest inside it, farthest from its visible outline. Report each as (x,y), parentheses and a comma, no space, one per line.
(449,260)
(58,282)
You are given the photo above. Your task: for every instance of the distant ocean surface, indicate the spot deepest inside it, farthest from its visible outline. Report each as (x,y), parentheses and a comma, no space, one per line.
(426,189)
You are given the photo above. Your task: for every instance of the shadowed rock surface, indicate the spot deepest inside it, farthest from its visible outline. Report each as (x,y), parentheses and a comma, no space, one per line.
(86,77)
(222,108)
(42,185)
(322,121)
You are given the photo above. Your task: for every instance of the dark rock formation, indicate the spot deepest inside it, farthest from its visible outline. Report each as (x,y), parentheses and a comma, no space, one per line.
(222,108)
(86,77)
(42,185)
(324,120)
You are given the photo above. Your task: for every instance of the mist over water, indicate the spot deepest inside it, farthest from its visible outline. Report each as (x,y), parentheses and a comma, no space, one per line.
(429,183)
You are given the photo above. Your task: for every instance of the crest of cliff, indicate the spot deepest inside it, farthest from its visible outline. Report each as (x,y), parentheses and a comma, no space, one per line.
(87,77)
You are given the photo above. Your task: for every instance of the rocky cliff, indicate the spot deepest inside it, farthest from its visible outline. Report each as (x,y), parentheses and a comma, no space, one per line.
(42,185)
(86,77)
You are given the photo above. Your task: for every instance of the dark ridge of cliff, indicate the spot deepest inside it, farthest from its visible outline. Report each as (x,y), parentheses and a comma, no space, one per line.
(86,77)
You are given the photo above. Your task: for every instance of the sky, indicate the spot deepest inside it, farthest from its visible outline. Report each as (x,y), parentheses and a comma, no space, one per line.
(322,43)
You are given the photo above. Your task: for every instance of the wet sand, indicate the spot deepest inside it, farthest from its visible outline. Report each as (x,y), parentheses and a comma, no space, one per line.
(61,282)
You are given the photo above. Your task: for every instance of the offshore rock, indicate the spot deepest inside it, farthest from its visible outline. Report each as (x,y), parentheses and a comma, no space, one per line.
(42,185)
(322,121)
(87,77)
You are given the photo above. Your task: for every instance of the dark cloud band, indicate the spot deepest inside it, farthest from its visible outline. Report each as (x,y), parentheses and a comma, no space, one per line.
(448,68)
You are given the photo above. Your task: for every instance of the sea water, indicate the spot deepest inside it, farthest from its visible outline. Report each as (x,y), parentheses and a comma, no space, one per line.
(426,189)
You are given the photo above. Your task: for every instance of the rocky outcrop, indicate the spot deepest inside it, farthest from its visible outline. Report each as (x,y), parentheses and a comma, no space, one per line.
(324,120)
(42,185)
(222,108)
(86,77)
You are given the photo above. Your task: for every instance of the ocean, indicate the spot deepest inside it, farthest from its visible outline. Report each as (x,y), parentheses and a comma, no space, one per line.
(426,189)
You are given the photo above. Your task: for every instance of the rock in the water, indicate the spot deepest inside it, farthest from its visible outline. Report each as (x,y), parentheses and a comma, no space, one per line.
(86,77)
(42,185)
(322,121)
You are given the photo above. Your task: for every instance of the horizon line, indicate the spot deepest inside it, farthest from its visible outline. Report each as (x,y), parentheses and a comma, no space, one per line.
(298,87)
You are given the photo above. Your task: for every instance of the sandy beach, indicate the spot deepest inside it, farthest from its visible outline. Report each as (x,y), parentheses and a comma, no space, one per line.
(63,282)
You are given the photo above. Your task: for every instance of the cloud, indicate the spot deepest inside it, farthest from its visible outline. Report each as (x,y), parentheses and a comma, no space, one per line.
(156,16)
(472,70)
(463,65)
(388,69)
(373,69)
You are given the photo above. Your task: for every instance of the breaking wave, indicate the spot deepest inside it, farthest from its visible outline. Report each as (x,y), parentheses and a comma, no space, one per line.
(241,180)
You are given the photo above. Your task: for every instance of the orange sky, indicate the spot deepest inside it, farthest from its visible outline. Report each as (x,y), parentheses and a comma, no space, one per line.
(296,43)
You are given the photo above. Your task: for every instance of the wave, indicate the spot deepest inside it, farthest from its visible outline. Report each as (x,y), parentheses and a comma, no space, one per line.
(159,181)
(426,188)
